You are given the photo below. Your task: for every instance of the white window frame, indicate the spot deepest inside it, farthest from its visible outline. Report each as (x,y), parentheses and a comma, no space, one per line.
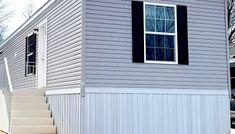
(27,69)
(161,33)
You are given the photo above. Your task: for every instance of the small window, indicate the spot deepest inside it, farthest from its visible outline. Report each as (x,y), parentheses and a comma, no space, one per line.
(30,56)
(160,30)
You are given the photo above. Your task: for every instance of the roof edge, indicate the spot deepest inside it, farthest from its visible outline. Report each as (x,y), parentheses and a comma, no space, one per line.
(27,22)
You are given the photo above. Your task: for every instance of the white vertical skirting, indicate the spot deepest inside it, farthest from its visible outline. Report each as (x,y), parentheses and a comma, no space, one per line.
(140,113)
(65,111)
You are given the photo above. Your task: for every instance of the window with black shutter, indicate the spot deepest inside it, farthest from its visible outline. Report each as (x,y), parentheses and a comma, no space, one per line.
(160,33)
(30,55)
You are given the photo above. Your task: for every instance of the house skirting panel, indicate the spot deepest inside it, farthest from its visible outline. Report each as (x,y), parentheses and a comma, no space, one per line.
(65,111)
(132,111)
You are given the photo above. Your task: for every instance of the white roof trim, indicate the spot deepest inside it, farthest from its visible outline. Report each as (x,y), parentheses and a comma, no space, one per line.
(27,22)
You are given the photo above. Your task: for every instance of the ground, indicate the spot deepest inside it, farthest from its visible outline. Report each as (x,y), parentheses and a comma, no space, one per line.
(232,131)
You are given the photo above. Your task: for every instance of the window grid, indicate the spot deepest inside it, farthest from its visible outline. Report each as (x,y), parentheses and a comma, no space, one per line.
(175,54)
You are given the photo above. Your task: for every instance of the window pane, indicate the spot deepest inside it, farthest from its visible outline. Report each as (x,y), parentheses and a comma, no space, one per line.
(31,60)
(31,48)
(160,14)
(150,25)
(170,26)
(160,26)
(169,41)
(31,40)
(149,40)
(160,54)
(169,54)
(150,11)
(30,69)
(170,13)
(150,54)
(159,40)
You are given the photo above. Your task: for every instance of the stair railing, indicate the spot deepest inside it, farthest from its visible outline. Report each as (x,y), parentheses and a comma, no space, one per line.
(6,87)
(8,75)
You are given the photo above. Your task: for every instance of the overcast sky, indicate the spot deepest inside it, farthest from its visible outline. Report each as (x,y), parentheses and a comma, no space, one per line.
(18,19)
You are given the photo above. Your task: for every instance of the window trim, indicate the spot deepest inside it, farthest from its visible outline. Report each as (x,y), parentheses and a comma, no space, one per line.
(28,55)
(161,33)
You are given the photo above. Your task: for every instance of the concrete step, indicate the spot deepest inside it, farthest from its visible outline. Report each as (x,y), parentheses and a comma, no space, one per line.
(33,129)
(29,106)
(28,93)
(28,99)
(30,113)
(31,121)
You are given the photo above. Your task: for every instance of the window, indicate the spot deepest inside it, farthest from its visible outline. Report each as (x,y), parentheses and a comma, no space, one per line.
(159,33)
(160,28)
(30,55)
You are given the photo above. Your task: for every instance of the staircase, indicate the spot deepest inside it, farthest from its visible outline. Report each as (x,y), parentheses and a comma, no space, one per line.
(30,113)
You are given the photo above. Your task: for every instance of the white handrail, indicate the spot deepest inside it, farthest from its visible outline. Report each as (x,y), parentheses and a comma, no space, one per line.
(8,75)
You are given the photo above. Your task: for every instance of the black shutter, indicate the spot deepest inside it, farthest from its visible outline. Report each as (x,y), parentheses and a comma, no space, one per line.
(232,76)
(26,55)
(34,45)
(137,32)
(182,28)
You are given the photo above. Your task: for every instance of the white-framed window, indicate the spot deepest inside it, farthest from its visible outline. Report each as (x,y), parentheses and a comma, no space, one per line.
(160,33)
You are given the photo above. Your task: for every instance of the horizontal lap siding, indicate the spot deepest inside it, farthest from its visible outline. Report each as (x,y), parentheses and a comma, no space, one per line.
(64,46)
(14,51)
(109,48)
(133,113)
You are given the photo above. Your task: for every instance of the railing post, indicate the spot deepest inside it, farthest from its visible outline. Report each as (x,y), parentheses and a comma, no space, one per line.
(8,74)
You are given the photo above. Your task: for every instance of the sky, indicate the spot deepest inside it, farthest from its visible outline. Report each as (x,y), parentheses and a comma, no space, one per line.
(17,18)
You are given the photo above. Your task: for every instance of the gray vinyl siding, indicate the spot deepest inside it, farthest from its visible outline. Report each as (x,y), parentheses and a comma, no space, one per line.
(109,48)
(17,63)
(63,52)
(64,46)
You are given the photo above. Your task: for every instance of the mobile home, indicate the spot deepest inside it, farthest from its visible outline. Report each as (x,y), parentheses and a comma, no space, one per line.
(119,67)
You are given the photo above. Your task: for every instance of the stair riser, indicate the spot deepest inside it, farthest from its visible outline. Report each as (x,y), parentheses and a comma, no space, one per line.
(30,114)
(31,122)
(29,106)
(28,100)
(34,130)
